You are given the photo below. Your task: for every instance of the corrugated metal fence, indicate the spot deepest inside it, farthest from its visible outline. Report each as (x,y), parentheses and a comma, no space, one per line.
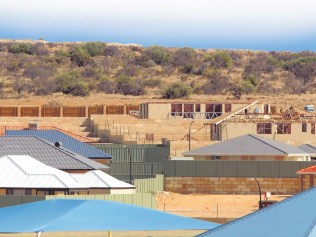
(6,201)
(264,169)
(121,171)
(150,185)
(139,153)
(141,199)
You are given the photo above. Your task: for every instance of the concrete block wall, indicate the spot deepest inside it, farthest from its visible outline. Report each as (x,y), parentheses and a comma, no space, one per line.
(231,185)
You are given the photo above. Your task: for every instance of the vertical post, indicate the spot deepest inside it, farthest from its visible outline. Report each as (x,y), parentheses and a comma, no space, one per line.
(260,203)
(190,134)
(130,164)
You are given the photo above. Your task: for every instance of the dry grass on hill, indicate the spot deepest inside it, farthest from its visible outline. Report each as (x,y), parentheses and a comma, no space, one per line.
(116,99)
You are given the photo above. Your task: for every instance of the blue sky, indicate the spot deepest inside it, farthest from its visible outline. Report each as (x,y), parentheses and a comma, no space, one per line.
(231,24)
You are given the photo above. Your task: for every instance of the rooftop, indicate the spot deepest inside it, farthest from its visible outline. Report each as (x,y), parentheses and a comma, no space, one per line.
(68,142)
(46,153)
(27,172)
(248,145)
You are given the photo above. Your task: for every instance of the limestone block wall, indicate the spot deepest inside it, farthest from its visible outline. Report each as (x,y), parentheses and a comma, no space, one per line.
(225,185)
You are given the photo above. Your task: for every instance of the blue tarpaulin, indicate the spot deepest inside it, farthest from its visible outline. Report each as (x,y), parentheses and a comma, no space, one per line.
(61,215)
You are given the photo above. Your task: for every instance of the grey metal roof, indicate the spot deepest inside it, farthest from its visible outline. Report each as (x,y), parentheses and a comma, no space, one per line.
(47,153)
(308,148)
(248,144)
(68,142)
(292,217)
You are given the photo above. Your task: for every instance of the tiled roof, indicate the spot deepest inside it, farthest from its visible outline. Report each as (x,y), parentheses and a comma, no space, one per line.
(308,170)
(68,142)
(292,217)
(46,152)
(248,144)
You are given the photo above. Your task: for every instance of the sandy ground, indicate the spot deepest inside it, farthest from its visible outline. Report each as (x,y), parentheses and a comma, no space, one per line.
(210,206)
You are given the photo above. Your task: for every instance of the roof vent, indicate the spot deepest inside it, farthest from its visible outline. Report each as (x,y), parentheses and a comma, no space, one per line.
(58,144)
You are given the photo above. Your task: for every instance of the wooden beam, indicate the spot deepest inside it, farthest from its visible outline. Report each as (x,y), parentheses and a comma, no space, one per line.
(223,117)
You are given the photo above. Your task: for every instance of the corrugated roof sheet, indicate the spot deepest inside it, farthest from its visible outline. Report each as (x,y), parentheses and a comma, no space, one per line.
(27,172)
(308,148)
(68,142)
(248,144)
(46,153)
(292,217)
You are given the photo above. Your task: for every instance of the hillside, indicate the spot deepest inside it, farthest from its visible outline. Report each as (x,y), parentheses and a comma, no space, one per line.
(79,69)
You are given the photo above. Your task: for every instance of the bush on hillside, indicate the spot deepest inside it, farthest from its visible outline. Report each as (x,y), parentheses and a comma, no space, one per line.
(216,84)
(95,48)
(158,54)
(106,85)
(126,86)
(221,59)
(18,48)
(79,56)
(71,83)
(177,90)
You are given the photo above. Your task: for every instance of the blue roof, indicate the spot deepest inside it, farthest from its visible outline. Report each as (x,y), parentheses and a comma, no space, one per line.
(68,142)
(61,215)
(293,217)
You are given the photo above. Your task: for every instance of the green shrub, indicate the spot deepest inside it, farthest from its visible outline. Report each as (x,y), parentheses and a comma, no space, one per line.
(106,85)
(126,86)
(71,83)
(248,88)
(95,48)
(177,90)
(17,48)
(158,54)
(79,56)
(220,59)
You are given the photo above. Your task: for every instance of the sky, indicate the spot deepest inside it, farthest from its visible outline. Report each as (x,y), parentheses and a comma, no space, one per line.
(271,25)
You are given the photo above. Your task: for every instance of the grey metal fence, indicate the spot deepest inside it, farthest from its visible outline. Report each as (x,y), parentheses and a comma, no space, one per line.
(139,153)
(271,169)
(139,170)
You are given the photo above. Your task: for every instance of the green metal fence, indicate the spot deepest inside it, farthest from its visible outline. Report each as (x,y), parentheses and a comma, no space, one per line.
(139,170)
(151,185)
(140,199)
(271,169)
(12,200)
(139,153)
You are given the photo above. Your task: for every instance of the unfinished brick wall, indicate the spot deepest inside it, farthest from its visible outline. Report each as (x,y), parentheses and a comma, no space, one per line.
(215,185)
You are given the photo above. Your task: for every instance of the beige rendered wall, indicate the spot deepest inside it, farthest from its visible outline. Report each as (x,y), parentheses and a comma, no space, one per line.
(296,138)
(158,111)
(225,185)
(123,191)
